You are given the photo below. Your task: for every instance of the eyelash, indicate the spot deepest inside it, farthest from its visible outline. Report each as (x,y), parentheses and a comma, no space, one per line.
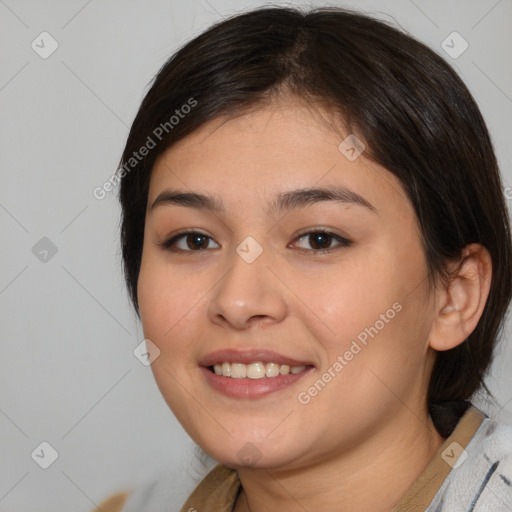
(342,241)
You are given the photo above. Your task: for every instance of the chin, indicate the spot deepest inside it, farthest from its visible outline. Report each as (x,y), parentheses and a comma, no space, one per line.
(242,452)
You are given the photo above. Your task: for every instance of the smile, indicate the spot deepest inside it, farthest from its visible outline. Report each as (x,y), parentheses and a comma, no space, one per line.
(257,370)
(259,386)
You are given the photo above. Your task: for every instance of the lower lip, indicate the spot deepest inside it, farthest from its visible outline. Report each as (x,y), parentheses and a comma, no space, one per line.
(251,388)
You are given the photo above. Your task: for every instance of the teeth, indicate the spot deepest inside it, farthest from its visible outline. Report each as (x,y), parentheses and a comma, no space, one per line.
(238,371)
(271,370)
(257,370)
(284,369)
(226,369)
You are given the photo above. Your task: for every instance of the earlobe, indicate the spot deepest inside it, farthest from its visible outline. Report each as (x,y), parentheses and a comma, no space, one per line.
(461,302)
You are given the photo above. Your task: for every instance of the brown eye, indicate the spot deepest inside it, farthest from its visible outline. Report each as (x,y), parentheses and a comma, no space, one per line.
(321,241)
(197,241)
(189,242)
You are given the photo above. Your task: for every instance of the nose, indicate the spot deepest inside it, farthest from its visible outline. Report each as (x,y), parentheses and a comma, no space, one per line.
(248,295)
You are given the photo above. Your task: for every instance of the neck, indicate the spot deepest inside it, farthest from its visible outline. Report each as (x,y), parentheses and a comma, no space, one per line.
(372,476)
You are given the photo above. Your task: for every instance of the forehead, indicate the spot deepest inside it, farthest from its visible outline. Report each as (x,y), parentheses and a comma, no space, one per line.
(277,147)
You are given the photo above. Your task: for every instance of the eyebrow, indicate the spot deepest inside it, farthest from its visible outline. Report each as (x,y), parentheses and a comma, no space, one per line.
(284,201)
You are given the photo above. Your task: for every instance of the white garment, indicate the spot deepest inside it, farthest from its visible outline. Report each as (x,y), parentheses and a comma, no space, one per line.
(169,491)
(483,481)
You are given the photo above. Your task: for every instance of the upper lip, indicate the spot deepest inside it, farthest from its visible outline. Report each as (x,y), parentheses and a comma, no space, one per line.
(249,356)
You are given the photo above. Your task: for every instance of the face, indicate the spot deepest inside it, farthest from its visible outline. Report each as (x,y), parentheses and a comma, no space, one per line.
(285,252)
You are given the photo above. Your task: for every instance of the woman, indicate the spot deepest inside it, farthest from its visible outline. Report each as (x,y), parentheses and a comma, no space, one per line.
(316,241)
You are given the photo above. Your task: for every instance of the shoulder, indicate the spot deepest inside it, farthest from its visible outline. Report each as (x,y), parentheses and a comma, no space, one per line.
(113,504)
(170,488)
(482,478)
(217,491)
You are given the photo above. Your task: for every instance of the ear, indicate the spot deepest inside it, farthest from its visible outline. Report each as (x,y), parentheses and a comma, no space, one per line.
(461,302)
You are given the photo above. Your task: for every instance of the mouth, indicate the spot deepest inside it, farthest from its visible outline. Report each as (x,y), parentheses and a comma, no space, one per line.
(251,374)
(256,370)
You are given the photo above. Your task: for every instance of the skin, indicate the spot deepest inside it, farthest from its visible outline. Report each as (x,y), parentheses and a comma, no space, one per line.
(369,428)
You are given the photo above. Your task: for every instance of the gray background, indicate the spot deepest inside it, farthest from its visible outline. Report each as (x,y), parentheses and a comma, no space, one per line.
(68,375)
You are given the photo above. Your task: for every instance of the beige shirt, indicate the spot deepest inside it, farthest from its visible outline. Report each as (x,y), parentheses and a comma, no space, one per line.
(219,489)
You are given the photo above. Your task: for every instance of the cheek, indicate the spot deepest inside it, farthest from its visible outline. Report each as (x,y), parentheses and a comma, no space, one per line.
(370,309)
(343,299)
(166,302)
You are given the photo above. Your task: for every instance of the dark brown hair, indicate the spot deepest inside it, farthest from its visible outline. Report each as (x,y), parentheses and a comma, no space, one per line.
(411,110)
